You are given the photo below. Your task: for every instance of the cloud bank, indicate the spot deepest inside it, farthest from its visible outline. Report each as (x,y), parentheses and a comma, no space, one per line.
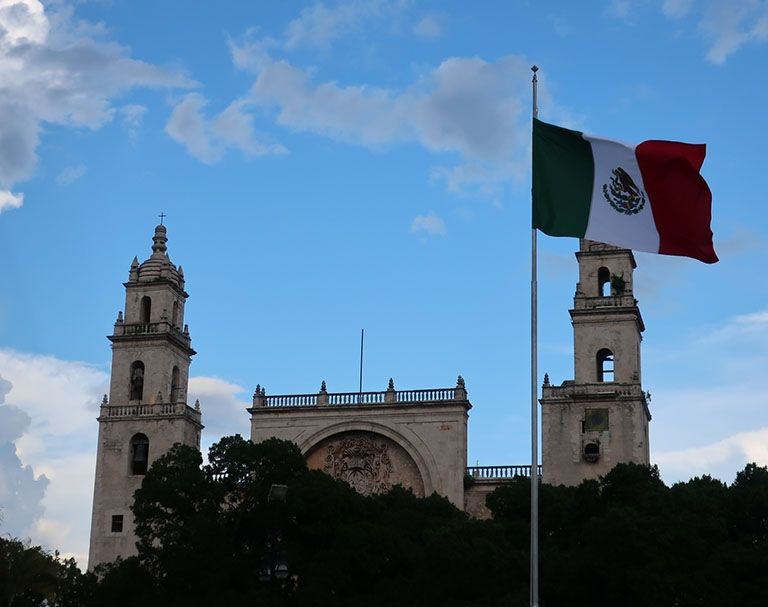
(56,69)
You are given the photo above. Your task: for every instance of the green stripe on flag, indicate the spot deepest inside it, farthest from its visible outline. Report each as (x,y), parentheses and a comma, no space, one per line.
(563,177)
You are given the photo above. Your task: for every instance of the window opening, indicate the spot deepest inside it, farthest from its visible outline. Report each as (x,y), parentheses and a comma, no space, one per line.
(175,385)
(146,309)
(175,313)
(139,454)
(117,523)
(137,381)
(604,282)
(592,452)
(605,365)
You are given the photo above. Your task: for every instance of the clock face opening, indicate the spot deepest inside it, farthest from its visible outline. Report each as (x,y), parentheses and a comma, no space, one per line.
(596,420)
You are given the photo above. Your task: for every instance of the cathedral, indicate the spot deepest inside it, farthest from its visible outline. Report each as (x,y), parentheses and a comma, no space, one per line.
(371,440)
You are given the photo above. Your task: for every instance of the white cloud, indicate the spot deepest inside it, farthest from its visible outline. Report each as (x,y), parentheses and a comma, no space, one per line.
(753,327)
(132,115)
(51,463)
(224,411)
(54,69)
(429,223)
(207,139)
(722,459)
(319,25)
(468,107)
(619,8)
(71,174)
(9,200)
(428,27)
(732,24)
(23,20)
(675,9)
(727,24)
(709,399)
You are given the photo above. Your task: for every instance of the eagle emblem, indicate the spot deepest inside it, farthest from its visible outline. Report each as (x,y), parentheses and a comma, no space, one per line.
(622,193)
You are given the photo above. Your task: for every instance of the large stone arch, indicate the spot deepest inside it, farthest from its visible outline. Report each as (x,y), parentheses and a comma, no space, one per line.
(414,447)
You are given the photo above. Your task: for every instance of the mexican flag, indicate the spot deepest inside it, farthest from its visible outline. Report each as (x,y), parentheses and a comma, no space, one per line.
(649,197)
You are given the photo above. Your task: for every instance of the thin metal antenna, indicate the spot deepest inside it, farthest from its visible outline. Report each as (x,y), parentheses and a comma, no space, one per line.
(360,387)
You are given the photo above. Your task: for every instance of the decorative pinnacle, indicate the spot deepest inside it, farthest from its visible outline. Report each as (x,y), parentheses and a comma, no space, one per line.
(391,385)
(322,386)
(197,404)
(257,392)
(104,401)
(546,379)
(159,240)
(534,68)
(460,381)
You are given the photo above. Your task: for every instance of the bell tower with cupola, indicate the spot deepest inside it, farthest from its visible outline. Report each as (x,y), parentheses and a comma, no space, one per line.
(146,412)
(600,418)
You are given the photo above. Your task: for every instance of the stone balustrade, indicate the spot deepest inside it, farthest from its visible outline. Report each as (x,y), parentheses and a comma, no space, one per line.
(389,396)
(146,410)
(499,472)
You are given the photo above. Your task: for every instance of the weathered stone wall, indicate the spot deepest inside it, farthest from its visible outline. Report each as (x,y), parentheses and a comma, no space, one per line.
(115,485)
(475,494)
(434,436)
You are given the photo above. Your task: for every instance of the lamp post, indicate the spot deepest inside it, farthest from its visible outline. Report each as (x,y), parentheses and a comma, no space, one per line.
(274,567)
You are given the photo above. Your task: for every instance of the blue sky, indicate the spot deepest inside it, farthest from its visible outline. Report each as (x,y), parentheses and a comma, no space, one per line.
(332,166)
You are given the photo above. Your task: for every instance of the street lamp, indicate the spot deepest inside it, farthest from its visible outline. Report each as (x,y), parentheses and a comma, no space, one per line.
(273,565)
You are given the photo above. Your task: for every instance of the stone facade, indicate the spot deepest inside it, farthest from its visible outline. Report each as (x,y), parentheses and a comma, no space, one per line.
(146,412)
(371,440)
(425,431)
(600,418)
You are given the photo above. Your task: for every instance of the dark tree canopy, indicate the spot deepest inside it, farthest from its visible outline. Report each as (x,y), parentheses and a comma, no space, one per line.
(206,531)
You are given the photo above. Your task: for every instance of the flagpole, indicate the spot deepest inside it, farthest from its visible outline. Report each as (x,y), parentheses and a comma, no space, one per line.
(534,393)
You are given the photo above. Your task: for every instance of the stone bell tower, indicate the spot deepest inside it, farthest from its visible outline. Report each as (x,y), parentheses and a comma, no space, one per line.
(600,418)
(146,412)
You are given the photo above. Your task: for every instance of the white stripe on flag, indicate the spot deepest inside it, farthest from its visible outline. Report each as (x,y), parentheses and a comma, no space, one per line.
(606,224)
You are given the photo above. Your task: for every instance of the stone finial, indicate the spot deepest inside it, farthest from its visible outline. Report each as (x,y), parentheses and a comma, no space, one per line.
(104,401)
(322,397)
(390,396)
(461,389)
(258,396)
(133,275)
(546,379)
(197,404)
(186,329)
(158,241)
(159,398)
(119,320)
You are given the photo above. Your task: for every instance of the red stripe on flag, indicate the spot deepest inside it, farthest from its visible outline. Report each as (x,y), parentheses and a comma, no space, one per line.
(680,198)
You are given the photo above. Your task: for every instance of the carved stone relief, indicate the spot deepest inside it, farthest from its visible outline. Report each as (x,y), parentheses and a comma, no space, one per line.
(368,462)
